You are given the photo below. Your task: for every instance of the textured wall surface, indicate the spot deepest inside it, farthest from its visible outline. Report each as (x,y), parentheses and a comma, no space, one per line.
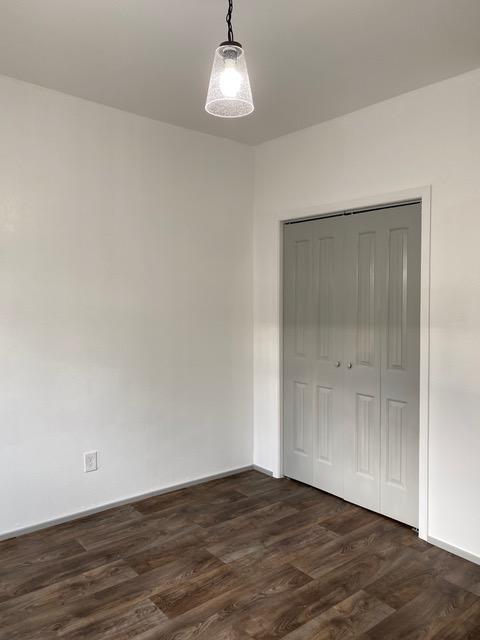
(125,304)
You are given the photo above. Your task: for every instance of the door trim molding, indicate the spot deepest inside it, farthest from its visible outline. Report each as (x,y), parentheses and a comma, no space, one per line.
(424,194)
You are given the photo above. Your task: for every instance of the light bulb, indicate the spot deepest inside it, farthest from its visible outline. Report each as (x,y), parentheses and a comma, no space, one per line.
(230,80)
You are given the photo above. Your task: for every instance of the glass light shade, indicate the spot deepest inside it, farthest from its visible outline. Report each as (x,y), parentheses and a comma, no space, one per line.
(229,93)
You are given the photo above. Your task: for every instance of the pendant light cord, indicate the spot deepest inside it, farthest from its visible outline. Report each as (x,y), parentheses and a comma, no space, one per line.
(229,21)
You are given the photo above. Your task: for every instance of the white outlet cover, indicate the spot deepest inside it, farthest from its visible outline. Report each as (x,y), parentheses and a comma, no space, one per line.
(90,461)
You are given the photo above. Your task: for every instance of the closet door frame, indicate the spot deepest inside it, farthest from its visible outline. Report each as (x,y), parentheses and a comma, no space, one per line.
(423,195)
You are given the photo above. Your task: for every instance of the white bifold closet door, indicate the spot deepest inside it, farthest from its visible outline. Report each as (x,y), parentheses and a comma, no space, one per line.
(351,357)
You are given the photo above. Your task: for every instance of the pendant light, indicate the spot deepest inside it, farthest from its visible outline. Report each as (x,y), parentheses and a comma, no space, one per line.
(229,94)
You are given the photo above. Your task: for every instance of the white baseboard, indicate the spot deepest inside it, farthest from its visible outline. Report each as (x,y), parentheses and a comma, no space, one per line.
(267,472)
(466,555)
(118,503)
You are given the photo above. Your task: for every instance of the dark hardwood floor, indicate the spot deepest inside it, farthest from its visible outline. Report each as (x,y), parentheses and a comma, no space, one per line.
(234,559)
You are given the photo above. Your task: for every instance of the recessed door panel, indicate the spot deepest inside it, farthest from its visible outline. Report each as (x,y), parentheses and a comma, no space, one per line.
(300,413)
(324,283)
(365,292)
(397,283)
(365,436)
(396,444)
(302,250)
(323,424)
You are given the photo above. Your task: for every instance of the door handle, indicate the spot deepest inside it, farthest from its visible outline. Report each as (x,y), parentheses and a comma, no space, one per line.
(337,363)
(349,365)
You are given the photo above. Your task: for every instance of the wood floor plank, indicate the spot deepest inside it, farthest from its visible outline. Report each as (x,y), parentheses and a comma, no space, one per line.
(165,549)
(345,621)
(246,557)
(192,593)
(37,552)
(264,528)
(221,513)
(425,616)
(311,513)
(111,602)
(342,549)
(224,616)
(361,611)
(62,533)
(400,586)
(24,579)
(155,524)
(319,595)
(182,566)
(258,518)
(462,627)
(454,569)
(125,624)
(316,498)
(189,498)
(267,552)
(250,486)
(44,606)
(350,520)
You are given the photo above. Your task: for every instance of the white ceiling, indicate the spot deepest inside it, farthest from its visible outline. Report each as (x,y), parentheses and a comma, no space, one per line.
(309,60)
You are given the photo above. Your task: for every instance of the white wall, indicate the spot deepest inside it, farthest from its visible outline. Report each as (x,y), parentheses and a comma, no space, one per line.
(125,304)
(428,137)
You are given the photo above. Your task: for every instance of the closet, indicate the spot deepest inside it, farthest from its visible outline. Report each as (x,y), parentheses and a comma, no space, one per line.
(351,341)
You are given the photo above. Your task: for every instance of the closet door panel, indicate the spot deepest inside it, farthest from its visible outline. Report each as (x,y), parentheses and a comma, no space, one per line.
(362,360)
(400,364)
(298,343)
(327,306)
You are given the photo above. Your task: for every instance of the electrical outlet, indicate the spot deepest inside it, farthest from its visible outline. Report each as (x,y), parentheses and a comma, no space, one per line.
(90,461)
